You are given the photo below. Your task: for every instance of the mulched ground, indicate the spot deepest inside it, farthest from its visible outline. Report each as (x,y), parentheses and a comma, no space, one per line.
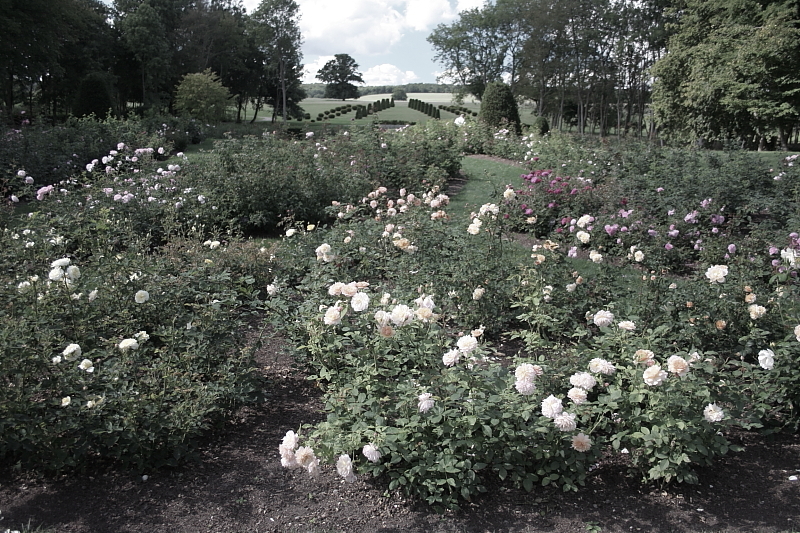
(240,486)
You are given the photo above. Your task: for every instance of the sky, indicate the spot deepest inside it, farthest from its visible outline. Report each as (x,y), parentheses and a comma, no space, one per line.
(385,37)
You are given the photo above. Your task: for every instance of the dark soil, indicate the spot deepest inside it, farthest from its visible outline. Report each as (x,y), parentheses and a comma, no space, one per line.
(240,486)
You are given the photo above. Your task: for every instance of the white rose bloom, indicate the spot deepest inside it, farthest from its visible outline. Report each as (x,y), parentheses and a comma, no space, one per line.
(142,336)
(581,443)
(141,297)
(756,311)
(288,459)
(344,465)
(401,315)
(60,263)
(526,387)
(527,371)
(467,343)
(451,358)
(571,287)
(72,351)
(23,287)
(713,413)
(477,294)
(304,456)
(627,325)
(750,299)
(56,274)
(766,358)
(509,194)
(601,366)
(551,407)
(583,221)
(128,344)
(643,356)
(56,359)
(272,290)
(797,332)
(65,401)
(360,302)
(313,468)
(577,395)
(654,376)
(584,380)
(595,257)
(638,256)
(290,440)
(349,289)
(93,295)
(382,318)
(290,232)
(371,452)
(678,365)
(583,237)
(73,272)
(333,315)
(425,403)
(603,318)
(425,301)
(86,365)
(565,422)
(717,273)
(336,289)
(323,252)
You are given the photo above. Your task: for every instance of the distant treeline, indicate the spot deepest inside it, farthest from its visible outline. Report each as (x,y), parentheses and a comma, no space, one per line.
(317,90)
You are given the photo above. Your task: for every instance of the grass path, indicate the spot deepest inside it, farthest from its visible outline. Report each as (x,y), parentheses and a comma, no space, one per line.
(485,181)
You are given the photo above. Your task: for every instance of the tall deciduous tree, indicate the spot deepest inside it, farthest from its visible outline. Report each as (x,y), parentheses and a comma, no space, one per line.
(340,74)
(143,33)
(277,34)
(36,37)
(473,49)
(732,71)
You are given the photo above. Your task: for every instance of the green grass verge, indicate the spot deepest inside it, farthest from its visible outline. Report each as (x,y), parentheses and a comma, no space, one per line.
(486,181)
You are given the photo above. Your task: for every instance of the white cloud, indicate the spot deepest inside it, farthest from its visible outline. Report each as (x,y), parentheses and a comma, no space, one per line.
(468,4)
(356,27)
(387,74)
(369,28)
(311,68)
(424,15)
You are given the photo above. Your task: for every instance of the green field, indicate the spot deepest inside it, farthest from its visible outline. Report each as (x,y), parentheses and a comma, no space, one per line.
(314,106)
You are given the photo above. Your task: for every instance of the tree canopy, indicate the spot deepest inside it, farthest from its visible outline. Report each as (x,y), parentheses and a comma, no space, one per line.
(55,53)
(340,73)
(732,71)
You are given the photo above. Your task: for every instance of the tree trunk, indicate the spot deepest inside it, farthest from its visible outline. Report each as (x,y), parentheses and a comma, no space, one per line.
(784,139)
(283,87)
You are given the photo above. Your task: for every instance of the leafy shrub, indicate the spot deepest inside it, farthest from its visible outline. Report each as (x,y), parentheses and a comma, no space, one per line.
(50,155)
(120,355)
(540,126)
(202,96)
(499,108)
(650,367)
